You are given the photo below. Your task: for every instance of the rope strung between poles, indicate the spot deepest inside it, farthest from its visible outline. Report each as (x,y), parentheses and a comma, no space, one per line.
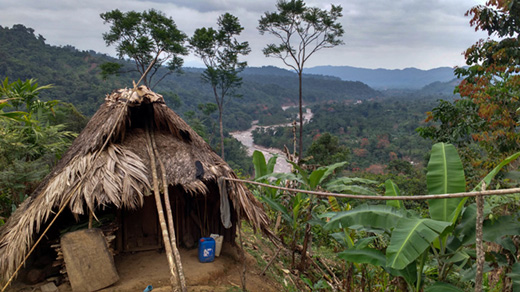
(385,198)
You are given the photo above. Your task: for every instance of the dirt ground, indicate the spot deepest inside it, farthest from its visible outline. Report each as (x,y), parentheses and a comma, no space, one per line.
(140,269)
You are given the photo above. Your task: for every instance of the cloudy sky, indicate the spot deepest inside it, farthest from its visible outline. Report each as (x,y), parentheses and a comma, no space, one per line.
(392,34)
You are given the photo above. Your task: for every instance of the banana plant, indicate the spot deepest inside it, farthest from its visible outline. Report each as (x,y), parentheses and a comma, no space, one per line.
(414,240)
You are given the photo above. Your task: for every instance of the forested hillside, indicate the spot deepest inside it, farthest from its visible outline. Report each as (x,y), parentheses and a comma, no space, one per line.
(76,77)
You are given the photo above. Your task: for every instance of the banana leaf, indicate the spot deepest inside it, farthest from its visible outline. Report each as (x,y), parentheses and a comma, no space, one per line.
(391,189)
(410,238)
(369,216)
(445,175)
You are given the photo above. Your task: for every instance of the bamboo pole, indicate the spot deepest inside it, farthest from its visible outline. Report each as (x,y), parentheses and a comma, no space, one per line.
(166,237)
(511,191)
(173,240)
(479,244)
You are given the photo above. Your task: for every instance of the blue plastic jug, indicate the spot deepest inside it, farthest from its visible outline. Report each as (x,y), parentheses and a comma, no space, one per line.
(206,249)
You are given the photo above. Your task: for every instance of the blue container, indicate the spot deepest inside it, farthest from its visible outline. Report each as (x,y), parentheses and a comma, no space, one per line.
(206,249)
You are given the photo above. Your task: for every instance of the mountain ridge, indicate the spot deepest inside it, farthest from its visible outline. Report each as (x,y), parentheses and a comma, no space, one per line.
(407,78)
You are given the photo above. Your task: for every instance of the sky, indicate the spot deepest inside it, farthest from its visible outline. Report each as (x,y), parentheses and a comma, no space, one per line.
(390,34)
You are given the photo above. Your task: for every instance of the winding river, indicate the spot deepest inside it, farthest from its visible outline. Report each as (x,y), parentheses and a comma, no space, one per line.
(246,138)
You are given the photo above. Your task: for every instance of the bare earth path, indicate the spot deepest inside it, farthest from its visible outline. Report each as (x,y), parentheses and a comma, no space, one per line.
(138,270)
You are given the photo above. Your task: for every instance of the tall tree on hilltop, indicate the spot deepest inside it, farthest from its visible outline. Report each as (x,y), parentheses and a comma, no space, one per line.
(302,32)
(485,121)
(219,50)
(149,38)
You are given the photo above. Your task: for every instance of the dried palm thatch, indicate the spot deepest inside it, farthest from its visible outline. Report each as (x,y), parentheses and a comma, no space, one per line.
(120,173)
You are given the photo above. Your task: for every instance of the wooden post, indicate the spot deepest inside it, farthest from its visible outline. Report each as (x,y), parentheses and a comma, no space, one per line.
(173,240)
(479,244)
(166,237)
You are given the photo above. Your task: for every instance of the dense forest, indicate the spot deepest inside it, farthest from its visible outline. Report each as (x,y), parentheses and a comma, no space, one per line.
(376,131)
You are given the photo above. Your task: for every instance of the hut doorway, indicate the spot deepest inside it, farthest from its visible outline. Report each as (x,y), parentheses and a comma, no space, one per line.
(140,227)
(194,216)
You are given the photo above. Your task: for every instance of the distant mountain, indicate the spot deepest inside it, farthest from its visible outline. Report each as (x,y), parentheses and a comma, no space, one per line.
(440,88)
(409,78)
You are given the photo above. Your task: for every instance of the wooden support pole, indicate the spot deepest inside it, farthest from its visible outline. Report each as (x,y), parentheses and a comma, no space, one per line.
(479,244)
(171,227)
(166,237)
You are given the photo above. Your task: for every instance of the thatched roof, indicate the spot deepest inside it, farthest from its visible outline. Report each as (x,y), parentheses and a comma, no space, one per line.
(121,173)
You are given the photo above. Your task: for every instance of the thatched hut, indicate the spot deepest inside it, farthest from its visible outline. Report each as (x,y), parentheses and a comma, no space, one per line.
(108,167)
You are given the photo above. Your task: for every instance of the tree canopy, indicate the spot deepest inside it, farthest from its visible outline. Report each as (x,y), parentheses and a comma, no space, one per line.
(219,50)
(485,120)
(149,38)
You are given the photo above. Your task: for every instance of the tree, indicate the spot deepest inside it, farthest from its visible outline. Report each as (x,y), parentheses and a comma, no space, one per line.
(302,32)
(488,109)
(326,150)
(219,50)
(149,38)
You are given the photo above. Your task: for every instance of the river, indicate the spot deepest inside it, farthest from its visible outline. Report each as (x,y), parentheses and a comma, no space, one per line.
(246,138)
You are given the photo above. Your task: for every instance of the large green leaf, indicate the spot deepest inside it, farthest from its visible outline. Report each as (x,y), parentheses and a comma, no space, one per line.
(364,256)
(278,207)
(409,273)
(465,230)
(445,175)
(496,170)
(493,230)
(350,180)
(272,163)
(315,178)
(303,174)
(515,276)
(351,189)
(369,216)
(329,170)
(343,238)
(504,225)
(486,180)
(391,189)
(442,287)
(259,164)
(410,238)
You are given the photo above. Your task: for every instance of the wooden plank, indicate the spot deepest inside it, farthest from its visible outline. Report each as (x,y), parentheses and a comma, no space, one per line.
(90,265)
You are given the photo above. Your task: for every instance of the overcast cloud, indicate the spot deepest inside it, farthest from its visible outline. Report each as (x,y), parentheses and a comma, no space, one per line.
(378,33)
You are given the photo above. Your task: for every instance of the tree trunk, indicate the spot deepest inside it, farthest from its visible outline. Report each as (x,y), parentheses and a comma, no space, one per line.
(300,150)
(220,104)
(221,134)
